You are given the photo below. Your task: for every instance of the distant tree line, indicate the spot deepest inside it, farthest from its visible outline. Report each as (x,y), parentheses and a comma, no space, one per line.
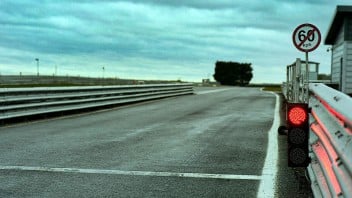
(233,73)
(324,77)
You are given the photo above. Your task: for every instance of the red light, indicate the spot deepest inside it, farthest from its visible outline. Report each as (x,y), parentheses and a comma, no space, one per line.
(297,115)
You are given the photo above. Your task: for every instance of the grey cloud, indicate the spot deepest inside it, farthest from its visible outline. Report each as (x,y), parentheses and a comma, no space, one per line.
(187,31)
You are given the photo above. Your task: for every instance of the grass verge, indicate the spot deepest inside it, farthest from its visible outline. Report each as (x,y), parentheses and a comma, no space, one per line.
(273,88)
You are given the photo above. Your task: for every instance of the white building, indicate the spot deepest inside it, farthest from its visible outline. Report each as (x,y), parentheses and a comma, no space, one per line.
(340,37)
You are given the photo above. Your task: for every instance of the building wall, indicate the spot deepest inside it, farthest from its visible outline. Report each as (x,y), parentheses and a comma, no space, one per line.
(348,28)
(347,66)
(347,70)
(337,54)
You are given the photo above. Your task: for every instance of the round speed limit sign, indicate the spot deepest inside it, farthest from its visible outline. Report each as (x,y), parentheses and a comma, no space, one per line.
(306,37)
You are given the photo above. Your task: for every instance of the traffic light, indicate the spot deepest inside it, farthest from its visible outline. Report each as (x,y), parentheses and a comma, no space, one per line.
(298,134)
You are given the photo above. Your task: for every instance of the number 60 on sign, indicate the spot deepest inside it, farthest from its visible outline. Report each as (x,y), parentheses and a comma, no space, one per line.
(306,37)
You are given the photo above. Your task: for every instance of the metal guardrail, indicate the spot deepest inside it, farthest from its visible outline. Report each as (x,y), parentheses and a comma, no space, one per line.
(330,142)
(24,102)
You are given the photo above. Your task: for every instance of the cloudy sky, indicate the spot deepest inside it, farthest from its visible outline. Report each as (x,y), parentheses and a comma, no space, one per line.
(157,39)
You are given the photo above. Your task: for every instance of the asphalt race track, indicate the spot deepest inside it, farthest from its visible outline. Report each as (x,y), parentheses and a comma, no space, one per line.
(211,144)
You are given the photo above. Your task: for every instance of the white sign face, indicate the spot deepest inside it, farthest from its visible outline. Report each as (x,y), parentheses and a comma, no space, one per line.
(306,37)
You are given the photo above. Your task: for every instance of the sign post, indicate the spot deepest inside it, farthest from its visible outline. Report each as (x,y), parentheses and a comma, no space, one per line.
(306,38)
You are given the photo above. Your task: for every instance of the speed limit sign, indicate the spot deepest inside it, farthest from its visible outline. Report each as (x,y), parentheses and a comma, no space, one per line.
(306,37)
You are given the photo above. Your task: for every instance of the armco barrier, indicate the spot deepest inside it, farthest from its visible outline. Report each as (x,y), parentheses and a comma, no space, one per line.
(330,170)
(24,102)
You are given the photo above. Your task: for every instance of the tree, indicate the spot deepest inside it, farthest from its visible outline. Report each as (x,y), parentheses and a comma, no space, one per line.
(233,73)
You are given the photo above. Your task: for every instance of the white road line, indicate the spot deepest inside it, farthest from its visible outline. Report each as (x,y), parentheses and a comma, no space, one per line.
(211,91)
(132,173)
(268,181)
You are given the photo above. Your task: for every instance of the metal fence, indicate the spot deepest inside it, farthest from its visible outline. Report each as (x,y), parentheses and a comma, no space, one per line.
(25,102)
(298,76)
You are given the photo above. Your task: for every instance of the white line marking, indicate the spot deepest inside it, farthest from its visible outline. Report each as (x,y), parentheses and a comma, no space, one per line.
(211,91)
(132,173)
(268,181)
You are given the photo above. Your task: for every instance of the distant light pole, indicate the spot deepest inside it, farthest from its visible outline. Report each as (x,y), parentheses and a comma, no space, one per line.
(37,59)
(103,71)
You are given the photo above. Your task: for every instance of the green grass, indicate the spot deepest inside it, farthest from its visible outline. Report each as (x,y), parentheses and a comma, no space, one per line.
(268,87)
(273,88)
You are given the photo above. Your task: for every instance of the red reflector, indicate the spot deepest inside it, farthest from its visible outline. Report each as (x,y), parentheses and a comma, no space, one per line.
(297,115)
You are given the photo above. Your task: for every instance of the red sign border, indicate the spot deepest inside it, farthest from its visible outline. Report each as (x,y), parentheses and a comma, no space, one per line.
(297,44)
